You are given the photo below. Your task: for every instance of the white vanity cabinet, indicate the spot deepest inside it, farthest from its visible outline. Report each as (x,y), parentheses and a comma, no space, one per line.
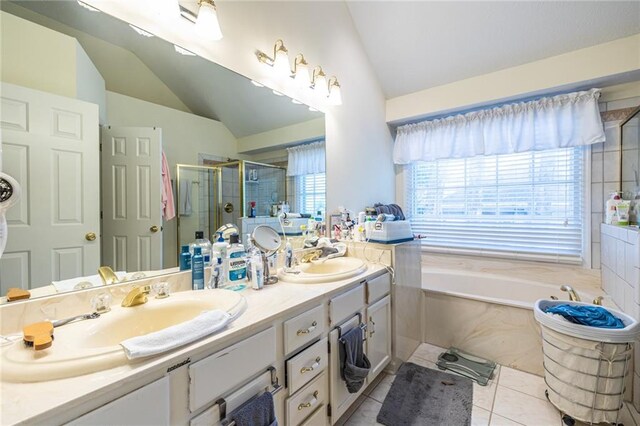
(379,335)
(148,405)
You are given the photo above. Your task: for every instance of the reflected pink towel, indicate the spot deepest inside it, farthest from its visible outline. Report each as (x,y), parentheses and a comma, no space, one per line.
(168,205)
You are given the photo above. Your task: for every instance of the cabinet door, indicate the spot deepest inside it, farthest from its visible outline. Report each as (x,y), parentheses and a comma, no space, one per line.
(379,335)
(148,405)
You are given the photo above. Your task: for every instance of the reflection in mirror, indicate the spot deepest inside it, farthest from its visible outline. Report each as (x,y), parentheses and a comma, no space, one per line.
(630,162)
(103,188)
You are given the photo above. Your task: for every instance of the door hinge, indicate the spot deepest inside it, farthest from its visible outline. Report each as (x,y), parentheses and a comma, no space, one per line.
(100,146)
(101,215)
(329,347)
(329,410)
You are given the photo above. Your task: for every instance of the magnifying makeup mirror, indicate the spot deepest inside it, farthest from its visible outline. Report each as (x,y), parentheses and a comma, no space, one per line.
(268,241)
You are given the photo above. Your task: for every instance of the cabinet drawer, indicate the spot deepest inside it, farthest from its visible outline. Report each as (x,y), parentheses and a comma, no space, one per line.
(318,418)
(302,329)
(307,400)
(211,377)
(378,287)
(306,365)
(346,304)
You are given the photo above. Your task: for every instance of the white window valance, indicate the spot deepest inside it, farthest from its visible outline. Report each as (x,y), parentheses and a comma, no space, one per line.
(555,122)
(306,159)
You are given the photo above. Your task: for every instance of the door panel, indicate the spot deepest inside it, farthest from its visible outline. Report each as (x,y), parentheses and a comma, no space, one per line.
(132,198)
(379,335)
(50,146)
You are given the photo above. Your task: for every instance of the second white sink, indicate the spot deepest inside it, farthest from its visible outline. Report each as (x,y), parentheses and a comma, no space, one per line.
(323,271)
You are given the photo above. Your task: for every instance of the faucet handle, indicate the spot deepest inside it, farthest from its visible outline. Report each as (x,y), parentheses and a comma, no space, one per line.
(101,303)
(161,289)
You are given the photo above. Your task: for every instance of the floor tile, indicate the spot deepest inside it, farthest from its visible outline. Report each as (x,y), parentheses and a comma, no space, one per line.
(372,385)
(497,420)
(366,414)
(480,416)
(428,352)
(352,409)
(422,362)
(634,413)
(523,408)
(483,396)
(524,382)
(381,390)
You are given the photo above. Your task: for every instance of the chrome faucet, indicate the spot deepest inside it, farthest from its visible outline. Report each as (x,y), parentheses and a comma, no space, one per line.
(573,296)
(137,296)
(107,275)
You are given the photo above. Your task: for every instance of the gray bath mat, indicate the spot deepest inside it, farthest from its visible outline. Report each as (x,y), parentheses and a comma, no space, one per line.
(421,396)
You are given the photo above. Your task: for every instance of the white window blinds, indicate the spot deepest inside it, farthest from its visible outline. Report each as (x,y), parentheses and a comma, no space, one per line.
(312,193)
(529,202)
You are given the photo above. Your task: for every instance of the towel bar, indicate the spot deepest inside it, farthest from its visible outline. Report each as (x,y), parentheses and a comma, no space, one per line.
(362,326)
(222,403)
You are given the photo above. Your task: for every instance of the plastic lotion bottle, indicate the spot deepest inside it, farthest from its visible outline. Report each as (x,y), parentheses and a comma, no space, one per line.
(197,269)
(236,264)
(185,258)
(205,247)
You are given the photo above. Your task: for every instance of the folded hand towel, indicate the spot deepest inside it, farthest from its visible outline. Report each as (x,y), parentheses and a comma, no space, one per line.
(175,336)
(259,411)
(69,285)
(355,364)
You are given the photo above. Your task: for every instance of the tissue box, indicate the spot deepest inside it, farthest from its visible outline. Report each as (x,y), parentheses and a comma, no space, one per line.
(398,231)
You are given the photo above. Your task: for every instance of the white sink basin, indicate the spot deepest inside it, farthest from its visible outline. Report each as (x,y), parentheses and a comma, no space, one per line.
(94,345)
(323,271)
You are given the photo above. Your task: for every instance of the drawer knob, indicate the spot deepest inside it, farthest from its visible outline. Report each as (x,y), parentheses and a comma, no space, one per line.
(308,330)
(313,366)
(309,404)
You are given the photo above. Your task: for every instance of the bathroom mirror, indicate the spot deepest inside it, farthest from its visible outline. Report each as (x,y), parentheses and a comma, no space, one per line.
(630,159)
(99,202)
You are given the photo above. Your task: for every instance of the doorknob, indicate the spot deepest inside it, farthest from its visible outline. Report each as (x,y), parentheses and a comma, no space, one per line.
(90,236)
(154,228)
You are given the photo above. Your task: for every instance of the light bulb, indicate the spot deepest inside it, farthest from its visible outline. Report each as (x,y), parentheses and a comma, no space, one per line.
(320,86)
(281,64)
(335,94)
(207,23)
(302,78)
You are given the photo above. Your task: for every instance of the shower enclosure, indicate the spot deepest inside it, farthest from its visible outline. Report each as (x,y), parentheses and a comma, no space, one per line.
(211,196)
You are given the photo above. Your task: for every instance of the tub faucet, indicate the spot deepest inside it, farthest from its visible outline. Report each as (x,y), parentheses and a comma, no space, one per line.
(573,296)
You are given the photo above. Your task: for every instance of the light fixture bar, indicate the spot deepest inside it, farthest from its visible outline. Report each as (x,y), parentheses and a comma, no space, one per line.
(188,14)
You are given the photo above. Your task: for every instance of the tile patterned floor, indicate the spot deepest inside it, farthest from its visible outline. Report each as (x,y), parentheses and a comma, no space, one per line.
(511,398)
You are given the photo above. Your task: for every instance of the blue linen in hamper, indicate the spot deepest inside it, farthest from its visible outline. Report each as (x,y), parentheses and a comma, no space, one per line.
(593,316)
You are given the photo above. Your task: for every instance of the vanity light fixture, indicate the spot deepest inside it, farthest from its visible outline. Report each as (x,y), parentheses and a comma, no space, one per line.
(301,71)
(141,31)
(280,60)
(319,82)
(335,95)
(183,51)
(206,20)
(88,7)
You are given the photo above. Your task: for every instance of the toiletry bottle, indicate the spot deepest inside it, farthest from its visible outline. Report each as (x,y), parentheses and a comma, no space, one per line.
(318,228)
(611,206)
(219,249)
(257,271)
(252,209)
(185,258)
(236,264)
(251,251)
(216,275)
(197,269)
(288,256)
(205,247)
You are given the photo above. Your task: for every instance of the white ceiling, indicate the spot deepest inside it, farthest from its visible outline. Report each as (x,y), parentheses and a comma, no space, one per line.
(415,45)
(206,88)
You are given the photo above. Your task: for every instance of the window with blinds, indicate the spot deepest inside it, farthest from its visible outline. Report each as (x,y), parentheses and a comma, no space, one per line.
(312,193)
(529,202)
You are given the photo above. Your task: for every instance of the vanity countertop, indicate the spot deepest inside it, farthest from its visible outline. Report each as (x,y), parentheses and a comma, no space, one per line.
(38,402)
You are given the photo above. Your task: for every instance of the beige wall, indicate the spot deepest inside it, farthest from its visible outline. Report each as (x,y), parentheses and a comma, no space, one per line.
(37,57)
(184,136)
(300,132)
(603,60)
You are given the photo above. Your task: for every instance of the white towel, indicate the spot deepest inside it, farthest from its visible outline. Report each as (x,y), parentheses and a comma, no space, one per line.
(69,285)
(184,206)
(172,337)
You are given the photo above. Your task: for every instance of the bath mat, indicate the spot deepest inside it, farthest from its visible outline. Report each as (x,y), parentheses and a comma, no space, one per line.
(477,369)
(421,396)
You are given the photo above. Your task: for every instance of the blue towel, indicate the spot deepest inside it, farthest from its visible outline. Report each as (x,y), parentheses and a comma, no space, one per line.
(594,316)
(256,412)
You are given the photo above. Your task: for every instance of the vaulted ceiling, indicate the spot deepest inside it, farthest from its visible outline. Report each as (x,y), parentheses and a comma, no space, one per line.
(415,45)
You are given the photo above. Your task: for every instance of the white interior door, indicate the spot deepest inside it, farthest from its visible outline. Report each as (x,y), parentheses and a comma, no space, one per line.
(50,146)
(131,198)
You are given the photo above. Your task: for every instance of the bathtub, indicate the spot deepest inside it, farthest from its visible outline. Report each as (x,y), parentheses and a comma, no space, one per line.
(487,315)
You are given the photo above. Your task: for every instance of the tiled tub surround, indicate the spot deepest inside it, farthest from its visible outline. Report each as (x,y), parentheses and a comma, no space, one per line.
(620,256)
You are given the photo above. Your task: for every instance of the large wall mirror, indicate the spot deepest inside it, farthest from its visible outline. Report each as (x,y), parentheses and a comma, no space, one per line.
(630,158)
(126,145)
